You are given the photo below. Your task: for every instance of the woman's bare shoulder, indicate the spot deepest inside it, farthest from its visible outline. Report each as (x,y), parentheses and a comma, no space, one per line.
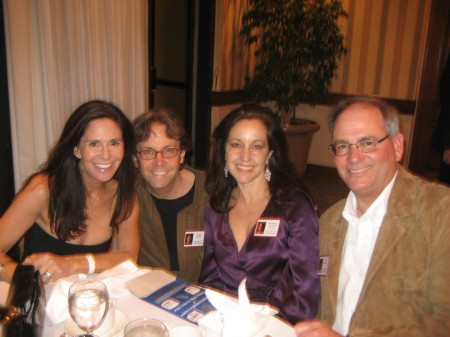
(30,205)
(37,187)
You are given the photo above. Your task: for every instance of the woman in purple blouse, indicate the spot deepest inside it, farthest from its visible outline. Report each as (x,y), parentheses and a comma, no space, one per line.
(259,223)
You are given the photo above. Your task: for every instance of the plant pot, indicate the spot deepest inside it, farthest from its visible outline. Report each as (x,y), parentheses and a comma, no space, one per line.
(298,140)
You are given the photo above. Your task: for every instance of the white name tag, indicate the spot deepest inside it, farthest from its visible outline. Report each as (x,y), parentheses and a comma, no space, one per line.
(194,239)
(322,270)
(267,227)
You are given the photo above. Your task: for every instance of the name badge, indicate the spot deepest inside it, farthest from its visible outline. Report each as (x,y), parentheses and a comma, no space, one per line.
(267,227)
(322,270)
(194,239)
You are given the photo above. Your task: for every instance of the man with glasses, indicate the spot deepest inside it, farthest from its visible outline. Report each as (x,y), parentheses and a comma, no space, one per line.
(385,250)
(172,196)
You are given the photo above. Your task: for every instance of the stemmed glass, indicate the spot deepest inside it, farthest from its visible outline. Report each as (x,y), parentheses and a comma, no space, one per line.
(88,305)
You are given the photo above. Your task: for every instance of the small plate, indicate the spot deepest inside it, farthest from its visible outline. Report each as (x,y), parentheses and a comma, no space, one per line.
(121,321)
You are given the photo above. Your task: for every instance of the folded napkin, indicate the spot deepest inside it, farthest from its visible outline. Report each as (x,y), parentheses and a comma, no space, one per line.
(235,318)
(114,279)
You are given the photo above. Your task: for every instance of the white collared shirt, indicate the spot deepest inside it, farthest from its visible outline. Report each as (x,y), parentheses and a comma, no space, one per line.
(361,236)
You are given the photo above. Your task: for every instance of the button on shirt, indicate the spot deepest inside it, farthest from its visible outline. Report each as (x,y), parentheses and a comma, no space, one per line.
(361,236)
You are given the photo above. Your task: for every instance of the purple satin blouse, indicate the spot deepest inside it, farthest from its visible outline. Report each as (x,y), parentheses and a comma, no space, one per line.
(280,270)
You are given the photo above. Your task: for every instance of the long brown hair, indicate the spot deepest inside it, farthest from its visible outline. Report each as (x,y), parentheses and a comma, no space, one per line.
(67,201)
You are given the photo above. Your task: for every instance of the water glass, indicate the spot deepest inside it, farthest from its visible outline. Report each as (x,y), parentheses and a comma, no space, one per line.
(146,327)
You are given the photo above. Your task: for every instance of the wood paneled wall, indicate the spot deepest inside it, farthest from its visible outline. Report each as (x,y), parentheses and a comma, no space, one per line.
(385,42)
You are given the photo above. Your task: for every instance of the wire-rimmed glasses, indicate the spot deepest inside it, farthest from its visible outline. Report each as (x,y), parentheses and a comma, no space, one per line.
(365,145)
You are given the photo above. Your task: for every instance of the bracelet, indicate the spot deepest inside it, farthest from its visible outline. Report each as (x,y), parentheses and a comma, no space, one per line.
(91,262)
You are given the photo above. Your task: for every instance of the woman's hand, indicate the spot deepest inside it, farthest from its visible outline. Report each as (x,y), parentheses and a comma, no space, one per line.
(314,328)
(51,266)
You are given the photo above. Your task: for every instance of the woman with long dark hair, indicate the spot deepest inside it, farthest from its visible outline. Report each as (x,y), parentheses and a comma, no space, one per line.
(79,212)
(250,181)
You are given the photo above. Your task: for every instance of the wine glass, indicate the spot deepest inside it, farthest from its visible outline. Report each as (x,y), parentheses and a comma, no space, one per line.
(88,305)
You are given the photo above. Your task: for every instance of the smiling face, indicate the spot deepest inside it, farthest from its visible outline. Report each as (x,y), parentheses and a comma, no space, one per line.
(100,150)
(247,151)
(366,174)
(160,173)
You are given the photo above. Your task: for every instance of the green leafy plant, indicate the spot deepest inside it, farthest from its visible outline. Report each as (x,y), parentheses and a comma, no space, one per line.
(298,46)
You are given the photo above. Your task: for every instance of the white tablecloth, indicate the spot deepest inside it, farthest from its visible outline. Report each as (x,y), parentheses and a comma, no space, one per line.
(135,308)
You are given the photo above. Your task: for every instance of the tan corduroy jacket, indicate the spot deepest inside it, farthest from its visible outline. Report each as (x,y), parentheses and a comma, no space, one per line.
(406,292)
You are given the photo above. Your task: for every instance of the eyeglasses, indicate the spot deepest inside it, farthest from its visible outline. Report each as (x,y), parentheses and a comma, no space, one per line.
(166,153)
(366,145)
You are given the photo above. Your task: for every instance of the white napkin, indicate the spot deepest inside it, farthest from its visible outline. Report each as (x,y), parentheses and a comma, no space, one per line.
(114,279)
(235,318)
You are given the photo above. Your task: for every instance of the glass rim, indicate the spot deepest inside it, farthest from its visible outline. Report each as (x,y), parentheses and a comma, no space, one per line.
(141,322)
(83,282)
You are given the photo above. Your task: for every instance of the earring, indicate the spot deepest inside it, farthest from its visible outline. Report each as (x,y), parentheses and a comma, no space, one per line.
(225,170)
(267,174)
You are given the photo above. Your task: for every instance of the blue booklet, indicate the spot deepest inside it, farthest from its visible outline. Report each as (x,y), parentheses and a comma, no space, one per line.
(185,300)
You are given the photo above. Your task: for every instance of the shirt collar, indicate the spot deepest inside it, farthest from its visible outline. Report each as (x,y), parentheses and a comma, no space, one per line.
(375,212)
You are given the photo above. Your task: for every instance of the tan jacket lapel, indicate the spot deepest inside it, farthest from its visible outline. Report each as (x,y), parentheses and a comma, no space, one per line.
(401,210)
(335,240)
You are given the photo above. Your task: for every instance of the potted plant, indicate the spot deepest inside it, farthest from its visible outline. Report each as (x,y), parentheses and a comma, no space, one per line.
(298,44)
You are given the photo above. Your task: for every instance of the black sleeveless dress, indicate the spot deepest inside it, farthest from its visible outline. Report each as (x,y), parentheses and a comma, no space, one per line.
(36,240)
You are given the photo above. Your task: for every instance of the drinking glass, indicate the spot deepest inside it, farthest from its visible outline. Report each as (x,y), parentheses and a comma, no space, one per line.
(146,327)
(88,305)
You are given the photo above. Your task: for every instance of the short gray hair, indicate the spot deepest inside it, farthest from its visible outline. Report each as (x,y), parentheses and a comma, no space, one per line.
(390,113)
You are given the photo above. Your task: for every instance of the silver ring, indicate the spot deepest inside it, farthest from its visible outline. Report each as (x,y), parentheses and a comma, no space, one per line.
(46,276)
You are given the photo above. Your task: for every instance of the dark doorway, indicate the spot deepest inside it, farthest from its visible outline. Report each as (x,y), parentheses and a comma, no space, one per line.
(171,48)
(6,163)
(180,57)
(423,160)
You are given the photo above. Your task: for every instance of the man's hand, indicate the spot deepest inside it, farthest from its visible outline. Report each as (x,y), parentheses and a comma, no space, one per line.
(314,328)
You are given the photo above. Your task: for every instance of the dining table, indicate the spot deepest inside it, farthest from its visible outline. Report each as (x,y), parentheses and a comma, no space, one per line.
(134,308)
